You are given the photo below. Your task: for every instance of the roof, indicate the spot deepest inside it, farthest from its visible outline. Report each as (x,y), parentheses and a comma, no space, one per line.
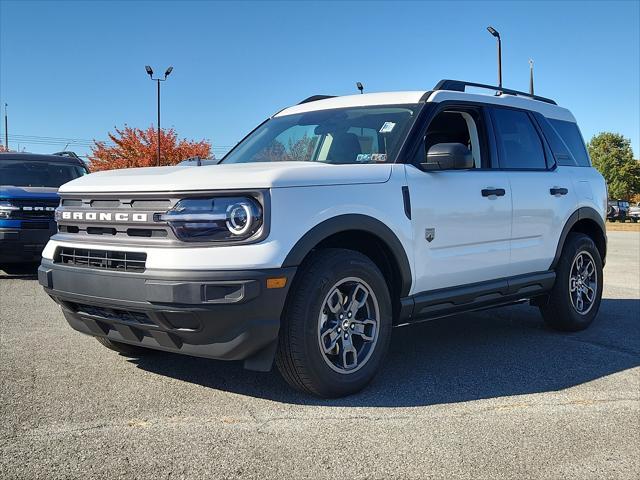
(537,104)
(37,157)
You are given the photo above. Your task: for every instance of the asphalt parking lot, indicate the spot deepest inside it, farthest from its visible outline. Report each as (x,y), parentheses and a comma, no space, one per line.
(485,395)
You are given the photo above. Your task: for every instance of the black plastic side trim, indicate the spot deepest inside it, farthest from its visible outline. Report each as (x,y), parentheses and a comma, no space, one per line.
(452,300)
(406,198)
(580,214)
(343,223)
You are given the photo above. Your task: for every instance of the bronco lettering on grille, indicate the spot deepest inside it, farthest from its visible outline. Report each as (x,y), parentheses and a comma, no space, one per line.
(105,216)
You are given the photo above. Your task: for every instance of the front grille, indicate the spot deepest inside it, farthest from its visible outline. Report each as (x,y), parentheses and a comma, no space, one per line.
(34,209)
(35,225)
(102,259)
(102,224)
(21,202)
(113,314)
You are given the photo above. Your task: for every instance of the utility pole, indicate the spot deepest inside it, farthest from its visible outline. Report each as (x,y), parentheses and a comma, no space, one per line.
(6,128)
(158,80)
(531,76)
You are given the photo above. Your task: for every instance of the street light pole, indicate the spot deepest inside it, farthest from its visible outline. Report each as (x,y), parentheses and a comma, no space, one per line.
(6,129)
(158,80)
(496,34)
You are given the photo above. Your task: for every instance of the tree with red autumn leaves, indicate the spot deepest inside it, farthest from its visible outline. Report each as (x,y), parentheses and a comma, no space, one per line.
(134,147)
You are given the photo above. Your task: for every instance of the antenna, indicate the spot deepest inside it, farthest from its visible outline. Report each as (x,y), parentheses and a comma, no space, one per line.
(531,76)
(360,87)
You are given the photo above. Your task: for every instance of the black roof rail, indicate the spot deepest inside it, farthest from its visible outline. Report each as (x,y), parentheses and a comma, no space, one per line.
(459,86)
(314,98)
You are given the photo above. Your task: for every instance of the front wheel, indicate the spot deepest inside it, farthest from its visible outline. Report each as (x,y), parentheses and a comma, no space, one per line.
(575,298)
(336,326)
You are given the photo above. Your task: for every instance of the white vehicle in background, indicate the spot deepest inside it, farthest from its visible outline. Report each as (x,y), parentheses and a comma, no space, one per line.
(634,212)
(332,222)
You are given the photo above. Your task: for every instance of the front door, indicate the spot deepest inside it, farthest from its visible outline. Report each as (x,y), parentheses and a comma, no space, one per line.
(461,218)
(471,231)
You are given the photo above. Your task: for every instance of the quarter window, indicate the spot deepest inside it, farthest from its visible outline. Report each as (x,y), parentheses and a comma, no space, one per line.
(518,141)
(573,139)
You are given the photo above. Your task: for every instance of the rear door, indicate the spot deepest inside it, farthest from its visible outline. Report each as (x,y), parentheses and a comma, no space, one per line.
(543,196)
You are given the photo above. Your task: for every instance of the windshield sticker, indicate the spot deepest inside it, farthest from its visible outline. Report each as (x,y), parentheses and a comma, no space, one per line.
(387,127)
(371,158)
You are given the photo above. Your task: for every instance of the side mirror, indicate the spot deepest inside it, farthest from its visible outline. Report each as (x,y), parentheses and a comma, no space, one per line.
(448,156)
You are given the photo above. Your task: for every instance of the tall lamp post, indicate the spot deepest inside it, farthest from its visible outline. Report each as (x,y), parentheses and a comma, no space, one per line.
(495,33)
(158,80)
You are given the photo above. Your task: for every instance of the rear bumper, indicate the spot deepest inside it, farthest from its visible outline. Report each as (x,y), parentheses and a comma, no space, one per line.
(23,245)
(227,315)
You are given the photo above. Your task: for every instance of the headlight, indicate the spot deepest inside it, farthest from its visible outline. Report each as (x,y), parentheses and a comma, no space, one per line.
(7,208)
(219,219)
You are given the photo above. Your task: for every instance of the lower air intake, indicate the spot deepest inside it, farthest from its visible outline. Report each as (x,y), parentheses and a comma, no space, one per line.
(101,259)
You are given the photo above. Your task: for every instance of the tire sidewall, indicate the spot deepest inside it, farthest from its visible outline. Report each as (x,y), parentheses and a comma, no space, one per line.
(328,381)
(573,320)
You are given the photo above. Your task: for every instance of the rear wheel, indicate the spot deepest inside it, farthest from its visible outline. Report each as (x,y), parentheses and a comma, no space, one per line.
(575,298)
(337,324)
(124,348)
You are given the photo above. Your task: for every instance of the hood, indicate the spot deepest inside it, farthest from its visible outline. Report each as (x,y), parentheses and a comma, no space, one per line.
(11,192)
(228,177)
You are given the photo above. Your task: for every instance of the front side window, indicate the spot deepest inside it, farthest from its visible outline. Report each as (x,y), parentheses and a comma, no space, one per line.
(21,173)
(463,126)
(519,144)
(337,136)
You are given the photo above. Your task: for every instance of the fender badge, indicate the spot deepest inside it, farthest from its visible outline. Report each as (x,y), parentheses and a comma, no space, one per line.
(430,234)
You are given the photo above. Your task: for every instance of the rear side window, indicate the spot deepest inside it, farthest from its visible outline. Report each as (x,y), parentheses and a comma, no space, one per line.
(570,133)
(519,145)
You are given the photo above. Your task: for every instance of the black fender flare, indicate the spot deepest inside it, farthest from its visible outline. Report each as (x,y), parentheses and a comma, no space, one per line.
(581,214)
(343,223)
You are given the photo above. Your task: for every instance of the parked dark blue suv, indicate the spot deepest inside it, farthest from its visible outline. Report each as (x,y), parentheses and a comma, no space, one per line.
(28,198)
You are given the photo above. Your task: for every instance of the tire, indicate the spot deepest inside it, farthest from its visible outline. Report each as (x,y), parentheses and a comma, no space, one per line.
(319,296)
(124,348)
(562,311)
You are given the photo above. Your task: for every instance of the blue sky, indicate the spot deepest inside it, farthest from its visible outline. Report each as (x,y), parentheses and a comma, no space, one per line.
(76,69)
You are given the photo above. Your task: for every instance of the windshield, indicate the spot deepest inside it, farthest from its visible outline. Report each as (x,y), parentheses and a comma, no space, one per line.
(20,173)
(337,136)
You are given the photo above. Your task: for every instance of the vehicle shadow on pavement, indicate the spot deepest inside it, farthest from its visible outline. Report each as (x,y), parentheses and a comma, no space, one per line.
(19,271)
(488,354)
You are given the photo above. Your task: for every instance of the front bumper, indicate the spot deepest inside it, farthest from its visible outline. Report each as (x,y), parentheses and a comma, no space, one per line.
(19,245)
(226,315)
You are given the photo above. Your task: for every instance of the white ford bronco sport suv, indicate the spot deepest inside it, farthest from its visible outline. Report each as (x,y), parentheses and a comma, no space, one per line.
(332,222)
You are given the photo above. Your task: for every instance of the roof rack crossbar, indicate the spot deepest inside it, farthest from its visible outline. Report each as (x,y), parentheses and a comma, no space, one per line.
(459,86)
(314,98)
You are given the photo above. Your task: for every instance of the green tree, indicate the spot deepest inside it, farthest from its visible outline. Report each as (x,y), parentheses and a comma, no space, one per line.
(611,154)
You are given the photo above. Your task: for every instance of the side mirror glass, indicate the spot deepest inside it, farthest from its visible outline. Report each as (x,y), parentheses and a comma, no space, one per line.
(448,156)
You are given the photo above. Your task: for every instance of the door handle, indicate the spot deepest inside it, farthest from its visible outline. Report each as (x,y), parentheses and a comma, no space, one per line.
(558,191)
(488,192)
